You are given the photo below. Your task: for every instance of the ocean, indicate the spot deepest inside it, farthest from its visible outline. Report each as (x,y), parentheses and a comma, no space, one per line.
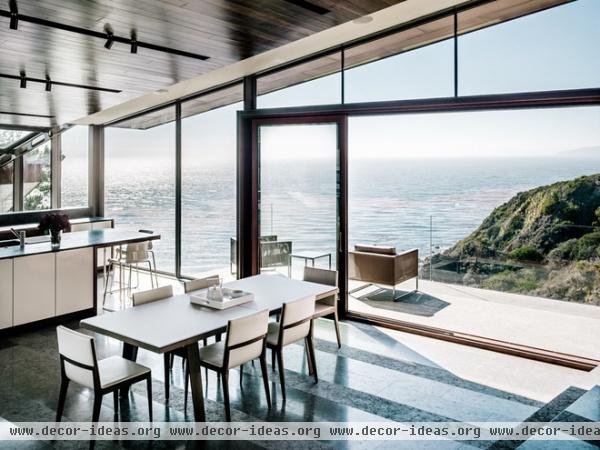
(408,203)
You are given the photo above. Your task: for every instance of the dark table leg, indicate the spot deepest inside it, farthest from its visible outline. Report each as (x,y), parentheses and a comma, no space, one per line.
(330,261)
(196,382)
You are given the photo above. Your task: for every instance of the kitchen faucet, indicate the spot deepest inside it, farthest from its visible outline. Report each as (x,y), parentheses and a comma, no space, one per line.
(20,235)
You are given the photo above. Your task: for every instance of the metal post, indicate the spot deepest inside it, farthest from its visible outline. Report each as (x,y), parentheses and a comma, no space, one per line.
(178,196)
(430,247)
(455,54)
(96,170)
(18,184)
(55,169)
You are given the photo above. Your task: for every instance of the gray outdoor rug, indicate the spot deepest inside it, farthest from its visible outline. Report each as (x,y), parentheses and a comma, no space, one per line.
(416,303)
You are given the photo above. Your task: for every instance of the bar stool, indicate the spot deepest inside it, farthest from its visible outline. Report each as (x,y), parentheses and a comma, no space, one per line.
(133,255)
(151,253)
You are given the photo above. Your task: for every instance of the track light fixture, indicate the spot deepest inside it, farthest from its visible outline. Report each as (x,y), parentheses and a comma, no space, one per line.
(107,35)
(48,82)
(134,43)
(14,15)
(110,39)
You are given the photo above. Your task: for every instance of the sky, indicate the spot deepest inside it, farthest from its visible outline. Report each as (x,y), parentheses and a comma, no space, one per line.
(552,50)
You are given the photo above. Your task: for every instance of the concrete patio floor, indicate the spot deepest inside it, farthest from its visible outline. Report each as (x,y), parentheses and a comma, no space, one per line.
(554,325)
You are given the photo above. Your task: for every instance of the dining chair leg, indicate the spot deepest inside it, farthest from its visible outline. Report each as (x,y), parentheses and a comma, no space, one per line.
(97,405)
(241,374)
(151,278)
(186,381)
(167,375)
(273,365)
(155,272)
(171,360)
(108,282)
(62,396)
(149,389)
(265,376)
(309,360)
(311,350)
(225,380)
(336,322)
(281,372)
(129,287)
(116,402)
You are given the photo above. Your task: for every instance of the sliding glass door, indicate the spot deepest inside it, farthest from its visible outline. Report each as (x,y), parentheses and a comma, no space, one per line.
(488,227)
(299,193)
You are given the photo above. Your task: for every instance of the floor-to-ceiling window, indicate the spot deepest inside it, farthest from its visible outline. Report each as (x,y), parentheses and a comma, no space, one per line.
(298,196)
(140,179)
(208,183)
(447,184)
(503,210)
(74,167)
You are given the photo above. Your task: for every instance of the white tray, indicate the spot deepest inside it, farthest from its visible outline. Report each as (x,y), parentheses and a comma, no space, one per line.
(199,298)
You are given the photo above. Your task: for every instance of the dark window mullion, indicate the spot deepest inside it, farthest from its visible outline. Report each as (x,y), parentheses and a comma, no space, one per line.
(178,196)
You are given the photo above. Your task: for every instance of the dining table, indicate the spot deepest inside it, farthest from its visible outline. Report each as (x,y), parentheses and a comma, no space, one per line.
(177,323)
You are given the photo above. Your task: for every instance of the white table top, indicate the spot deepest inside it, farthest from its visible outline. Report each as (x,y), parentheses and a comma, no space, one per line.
(172,323)
(272,291)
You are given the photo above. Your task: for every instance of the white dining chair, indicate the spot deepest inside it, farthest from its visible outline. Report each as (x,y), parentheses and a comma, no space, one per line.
(199,284)
(79,363)
(154,295)
(245,341)
(325,306)
(295,324)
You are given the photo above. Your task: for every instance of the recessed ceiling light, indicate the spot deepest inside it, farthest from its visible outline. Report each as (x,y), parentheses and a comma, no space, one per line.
(363,20)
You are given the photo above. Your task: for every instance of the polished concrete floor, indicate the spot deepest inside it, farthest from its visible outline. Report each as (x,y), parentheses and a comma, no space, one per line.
(374,377)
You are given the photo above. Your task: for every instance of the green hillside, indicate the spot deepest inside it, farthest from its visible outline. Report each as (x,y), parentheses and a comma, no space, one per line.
(548,239)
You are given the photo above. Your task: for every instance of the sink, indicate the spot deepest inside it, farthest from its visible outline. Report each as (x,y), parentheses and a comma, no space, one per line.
(37,239)
(9,243)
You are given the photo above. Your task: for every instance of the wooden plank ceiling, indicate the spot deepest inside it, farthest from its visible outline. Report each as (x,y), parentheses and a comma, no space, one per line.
(224,30)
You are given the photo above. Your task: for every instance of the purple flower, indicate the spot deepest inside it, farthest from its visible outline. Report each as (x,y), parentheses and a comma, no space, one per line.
(54,223)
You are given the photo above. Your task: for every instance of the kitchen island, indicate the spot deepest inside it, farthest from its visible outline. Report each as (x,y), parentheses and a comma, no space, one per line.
(39,285)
